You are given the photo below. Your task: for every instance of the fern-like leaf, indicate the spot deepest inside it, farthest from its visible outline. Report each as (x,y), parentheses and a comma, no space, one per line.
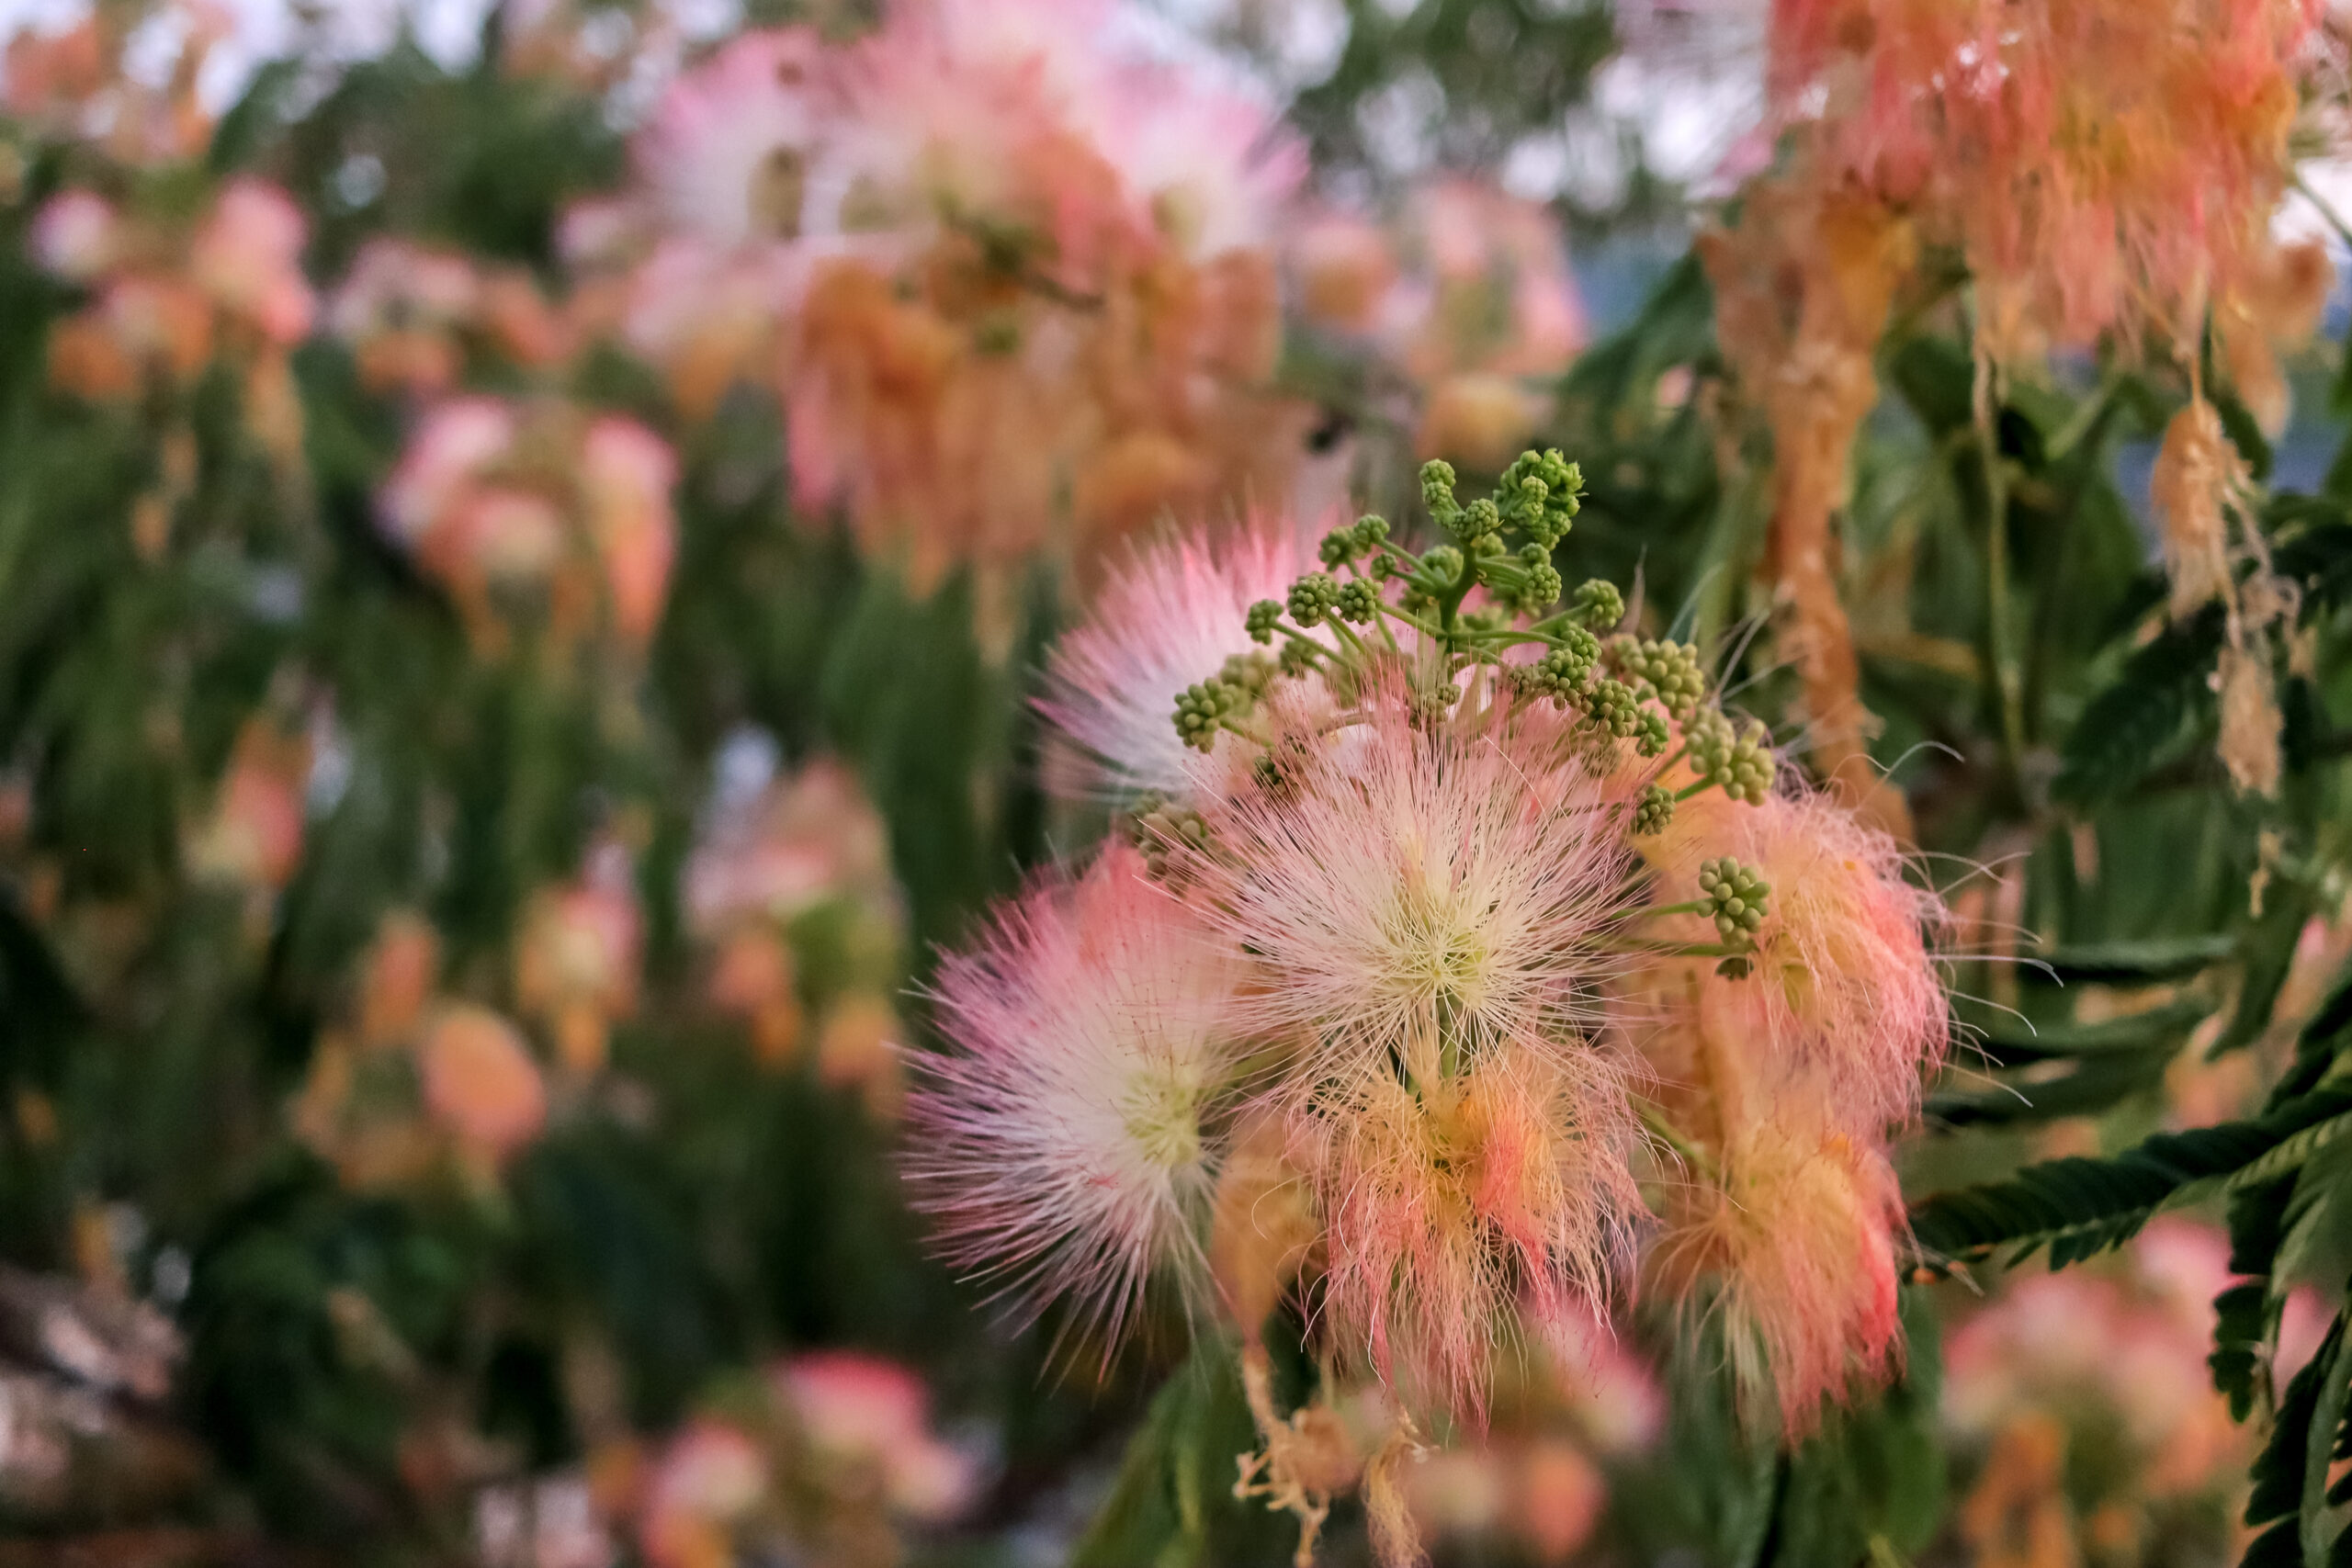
(2080,1207)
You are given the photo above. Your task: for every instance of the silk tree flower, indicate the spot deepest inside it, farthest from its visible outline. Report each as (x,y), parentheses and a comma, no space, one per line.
(2110,165)
(1068,1146)
(538,510)
(1172,609)
(1434,864)
(1422,894)
(481,1083)
(1791,1232)
(727,151)
(247,255)
(1453,1201)
(578,956)
(1845,983)
(869,1420)
(253,838)
(75,235)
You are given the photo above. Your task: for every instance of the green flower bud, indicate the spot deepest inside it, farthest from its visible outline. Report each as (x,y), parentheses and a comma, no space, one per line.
(1613,706)
(1738,900)
(1200,708)
(1654,810)
(1437,487)
(1476,521)
(1359,601)
(1543,587)
(1743,768)
(1248,674)
(1442,565)
(1651,741)
(1598,604)
(1311,598)
(1263,616)
(1563,672)
(1672,670)
(1371,532)
(1338,548)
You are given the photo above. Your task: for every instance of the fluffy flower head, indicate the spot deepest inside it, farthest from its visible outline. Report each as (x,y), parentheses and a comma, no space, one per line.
(1068,1146)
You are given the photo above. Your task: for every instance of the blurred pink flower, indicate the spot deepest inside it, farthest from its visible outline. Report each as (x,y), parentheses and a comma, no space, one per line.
(860,1410)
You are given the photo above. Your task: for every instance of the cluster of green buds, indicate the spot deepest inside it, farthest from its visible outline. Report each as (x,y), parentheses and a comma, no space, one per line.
(1164,831)
(1345,617)
(1736,898)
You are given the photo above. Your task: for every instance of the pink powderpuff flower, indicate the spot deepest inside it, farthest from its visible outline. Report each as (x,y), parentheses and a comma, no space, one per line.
(1067,1148)
(577,960)
(253,836)
(710,1477)
(1170,615)
(1793,1240)
(1217,169)
(626,474)
(728,149)
(1450,1204)
(455,442)
(76,236)
(481,1083)
(866,1412)
(248,256)
(966,112)
(799,843)
(1344,269)
(1414,892)
(1844,980)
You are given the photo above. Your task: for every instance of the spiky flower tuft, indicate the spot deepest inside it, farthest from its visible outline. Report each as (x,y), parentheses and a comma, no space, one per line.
(1168,618)
(1067,1148)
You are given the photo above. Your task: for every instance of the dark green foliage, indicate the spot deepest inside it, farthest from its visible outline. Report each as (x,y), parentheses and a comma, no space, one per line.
(2078,1207)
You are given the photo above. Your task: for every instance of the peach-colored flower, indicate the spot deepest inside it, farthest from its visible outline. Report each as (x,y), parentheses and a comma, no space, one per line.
(1845,981)
(626,473)
(253,836)
(481,1082)
(576,961)
(248,256)
(710,1477)
(497,502)
(1449,1203)
(402,964)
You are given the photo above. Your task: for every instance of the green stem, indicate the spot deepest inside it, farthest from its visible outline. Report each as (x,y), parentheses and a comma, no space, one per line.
(1665,1133)
(2334,218)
